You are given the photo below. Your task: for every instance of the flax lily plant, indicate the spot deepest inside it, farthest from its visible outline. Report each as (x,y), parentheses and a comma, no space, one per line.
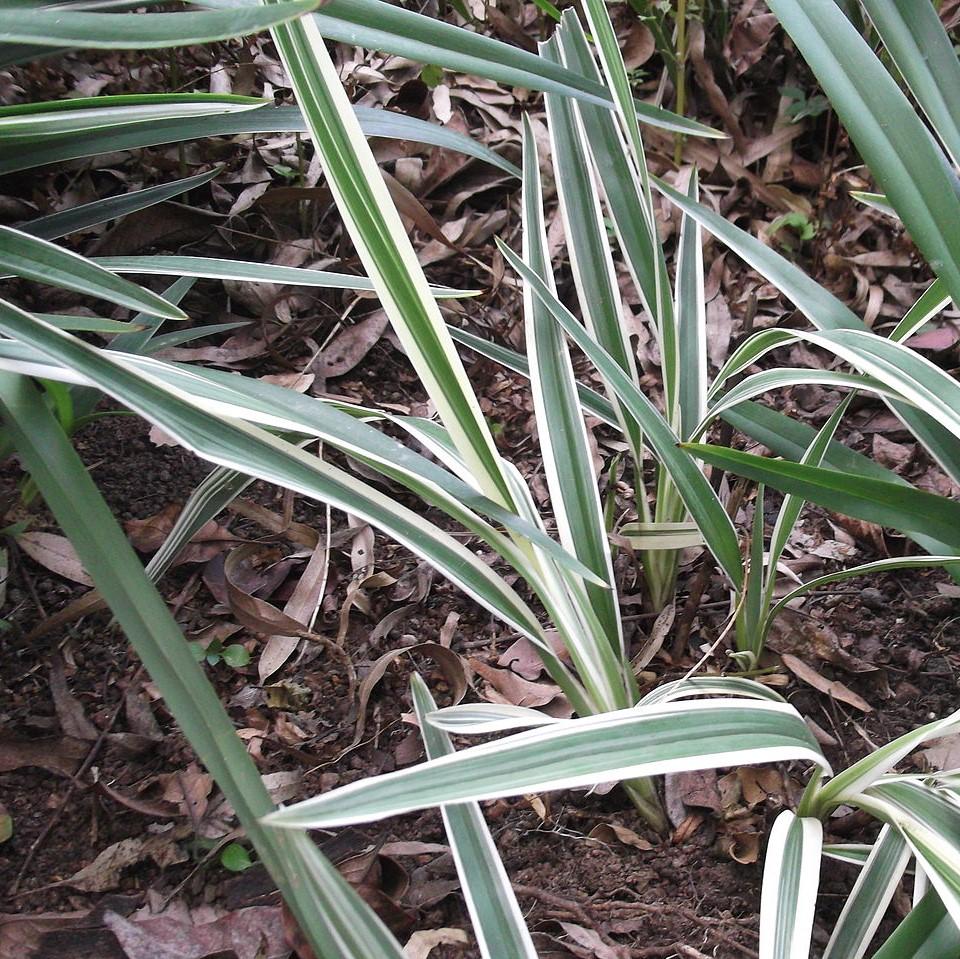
(249,429)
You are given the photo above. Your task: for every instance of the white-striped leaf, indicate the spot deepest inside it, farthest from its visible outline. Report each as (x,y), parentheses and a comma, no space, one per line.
(856,778)
(791,877)
(382,26)
(385,248)
(871,894)
(35,259)
(338,924)
(474,719)
(591,261)
(930,823)
(133,136)
(626,744)
(234,444)
(138,31)
(251,272)
(697,494)
(86,215)
(564,445)
(893,141)
(497,919)
(928,932)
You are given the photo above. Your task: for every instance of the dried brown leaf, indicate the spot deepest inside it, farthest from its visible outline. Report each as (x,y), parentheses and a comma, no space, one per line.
(55,553)
(830,687)
(423,942)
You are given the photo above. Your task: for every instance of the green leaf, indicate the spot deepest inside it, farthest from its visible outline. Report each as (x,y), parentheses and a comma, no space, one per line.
(923,53)
(497,919)
(888,504)
(235,655)
(789,438)
(875,201)
(710,686)
(217,489)
(272,406)
(852,853)
(88,324)
(86,215)
(928,932)
(235,858)
(133,136)
(629,743)
(787,518)
(481,719)
(791,877)
(136,31)
(649,536)
(38,260)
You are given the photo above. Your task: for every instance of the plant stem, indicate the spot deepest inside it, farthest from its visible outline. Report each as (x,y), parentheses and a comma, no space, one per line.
(643,795)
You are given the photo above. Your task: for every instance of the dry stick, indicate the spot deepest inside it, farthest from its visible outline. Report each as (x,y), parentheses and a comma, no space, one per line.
(74,783)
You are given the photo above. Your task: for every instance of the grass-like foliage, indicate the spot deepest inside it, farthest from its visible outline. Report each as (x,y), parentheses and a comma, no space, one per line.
(250,429)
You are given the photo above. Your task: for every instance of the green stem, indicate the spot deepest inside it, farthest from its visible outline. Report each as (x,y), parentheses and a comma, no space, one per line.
(643,795)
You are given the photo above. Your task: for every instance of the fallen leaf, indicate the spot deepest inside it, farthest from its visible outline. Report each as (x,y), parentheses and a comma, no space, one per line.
(748,38)
(943,753)
(829,687)
(758,783)
(253,933)
(189,790)
(422,942)
(55,553)
(62,755)
(611,832)
(105,872)
(301,607)
(591,939)
(350,346)
(514,689)
(73,720)
(743,847)
(413,847)
(450,665)
(148,535)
